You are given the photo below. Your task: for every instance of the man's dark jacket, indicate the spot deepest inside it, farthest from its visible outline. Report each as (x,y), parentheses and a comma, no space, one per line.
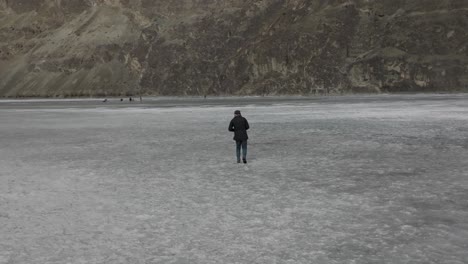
(239,126)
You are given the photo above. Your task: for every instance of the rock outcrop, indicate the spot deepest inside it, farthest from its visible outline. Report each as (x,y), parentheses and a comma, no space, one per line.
(197,47)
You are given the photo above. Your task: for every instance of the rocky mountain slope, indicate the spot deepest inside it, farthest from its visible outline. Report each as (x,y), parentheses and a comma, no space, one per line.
(197,47)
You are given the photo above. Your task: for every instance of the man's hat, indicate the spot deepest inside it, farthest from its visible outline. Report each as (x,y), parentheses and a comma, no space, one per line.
(237,112)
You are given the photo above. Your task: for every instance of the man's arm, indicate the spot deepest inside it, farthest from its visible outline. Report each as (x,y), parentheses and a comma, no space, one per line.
(231,126)
(246,124)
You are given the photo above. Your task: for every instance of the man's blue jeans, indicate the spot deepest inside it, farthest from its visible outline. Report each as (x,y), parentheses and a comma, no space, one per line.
(241,144)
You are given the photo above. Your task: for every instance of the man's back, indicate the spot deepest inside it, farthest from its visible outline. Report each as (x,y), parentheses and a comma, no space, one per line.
(239,126)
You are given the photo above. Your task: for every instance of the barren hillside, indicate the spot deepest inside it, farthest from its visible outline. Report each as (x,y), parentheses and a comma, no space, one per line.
(196,47)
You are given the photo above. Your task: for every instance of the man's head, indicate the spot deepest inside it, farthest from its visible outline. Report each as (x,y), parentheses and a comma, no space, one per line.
(237,113)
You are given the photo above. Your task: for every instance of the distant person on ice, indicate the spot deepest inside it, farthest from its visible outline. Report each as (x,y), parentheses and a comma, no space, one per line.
(239,126)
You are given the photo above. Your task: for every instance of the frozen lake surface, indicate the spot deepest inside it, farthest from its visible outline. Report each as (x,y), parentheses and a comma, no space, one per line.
(356,179)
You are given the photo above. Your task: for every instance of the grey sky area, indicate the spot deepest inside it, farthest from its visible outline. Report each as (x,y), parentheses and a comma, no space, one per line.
(358,179)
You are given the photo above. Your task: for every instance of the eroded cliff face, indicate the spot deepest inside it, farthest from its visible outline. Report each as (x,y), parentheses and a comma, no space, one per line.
(198,47)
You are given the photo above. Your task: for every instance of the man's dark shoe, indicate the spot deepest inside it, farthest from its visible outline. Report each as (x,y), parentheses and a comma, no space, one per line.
(245,161)
(238,161)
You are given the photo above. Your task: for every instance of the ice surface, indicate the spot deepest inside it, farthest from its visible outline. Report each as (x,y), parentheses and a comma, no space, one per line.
(370,179)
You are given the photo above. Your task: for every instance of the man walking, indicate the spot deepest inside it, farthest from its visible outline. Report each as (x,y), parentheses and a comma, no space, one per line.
(239,126)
